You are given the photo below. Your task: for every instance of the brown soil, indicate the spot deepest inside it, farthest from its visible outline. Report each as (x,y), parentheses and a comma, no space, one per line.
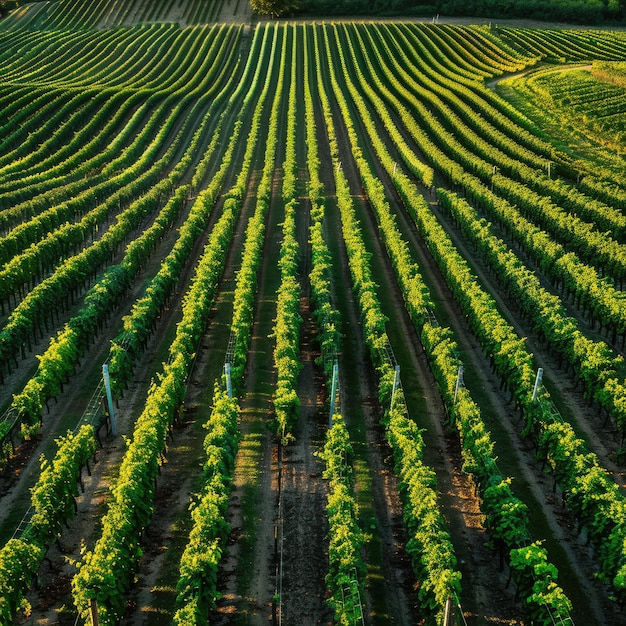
(276,560)
(481,578)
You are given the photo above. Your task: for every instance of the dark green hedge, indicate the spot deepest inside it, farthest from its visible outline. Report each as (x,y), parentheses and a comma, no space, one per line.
(571,11)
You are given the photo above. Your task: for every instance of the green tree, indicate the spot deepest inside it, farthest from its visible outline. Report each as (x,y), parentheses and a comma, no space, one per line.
(8,5)
(275,8)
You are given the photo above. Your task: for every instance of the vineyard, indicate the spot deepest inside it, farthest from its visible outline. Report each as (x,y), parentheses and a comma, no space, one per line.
(309,322)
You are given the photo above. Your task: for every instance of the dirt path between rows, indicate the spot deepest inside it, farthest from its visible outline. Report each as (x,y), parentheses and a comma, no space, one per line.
(247,571)
(577,569)
(277,505)
(51,599)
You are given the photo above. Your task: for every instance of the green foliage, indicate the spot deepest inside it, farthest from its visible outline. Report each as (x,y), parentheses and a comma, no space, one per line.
(346,575)
(197,583)
(594,102)
(571,11)
(52,504)
(535,578)
(287,323)
(57,363)
(593,361)
(430,548)
(105,572)
(274,8)
(506,516)
(19,562)
(53,494)
(424,86)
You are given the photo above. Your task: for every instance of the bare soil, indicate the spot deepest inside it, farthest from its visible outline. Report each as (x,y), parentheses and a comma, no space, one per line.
(484,584)
(276,559)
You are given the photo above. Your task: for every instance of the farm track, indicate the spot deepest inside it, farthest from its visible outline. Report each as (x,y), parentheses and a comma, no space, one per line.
(303,490)
(283,491)
(278,498)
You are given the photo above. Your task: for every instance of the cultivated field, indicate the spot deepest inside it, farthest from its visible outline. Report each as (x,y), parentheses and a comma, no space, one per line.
(359,292)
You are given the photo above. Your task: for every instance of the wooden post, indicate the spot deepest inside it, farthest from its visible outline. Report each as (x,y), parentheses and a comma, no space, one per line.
(107,387)
(93,608)
(537,383)
(333,393)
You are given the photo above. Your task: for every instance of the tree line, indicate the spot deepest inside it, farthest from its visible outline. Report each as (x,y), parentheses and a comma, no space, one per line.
(573,11)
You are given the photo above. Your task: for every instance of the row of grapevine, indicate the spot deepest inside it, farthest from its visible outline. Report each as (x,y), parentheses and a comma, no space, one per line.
(347,569)
(543,596)
(464,149)
(324,314)
(53,503)
(593,361)
(246,284)
(591,492)
(221,235)
(287,323)
(197,583)
(429,545)
(105,572)
(36,307)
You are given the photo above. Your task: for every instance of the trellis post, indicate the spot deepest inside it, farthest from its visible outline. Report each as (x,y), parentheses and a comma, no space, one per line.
(229,385)
(107,387)
(396,382)
(333,393)
(537,383)
(459,382)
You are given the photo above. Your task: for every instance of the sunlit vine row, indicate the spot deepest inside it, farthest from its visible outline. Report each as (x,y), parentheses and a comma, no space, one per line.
(286,331)
(429,546)
(543,596)
(197,583)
